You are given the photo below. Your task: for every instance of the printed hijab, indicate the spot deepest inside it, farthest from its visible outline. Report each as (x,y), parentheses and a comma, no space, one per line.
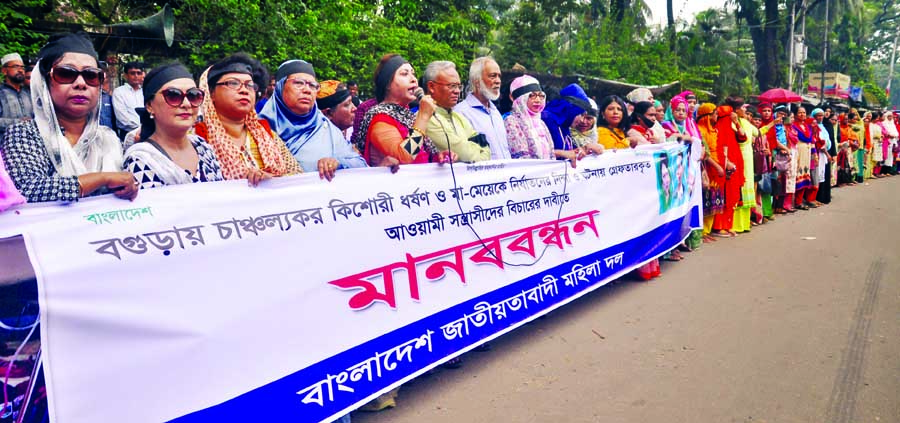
(230,154)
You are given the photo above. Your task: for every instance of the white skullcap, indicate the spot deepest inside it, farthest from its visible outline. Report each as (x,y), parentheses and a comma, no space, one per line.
(9,58)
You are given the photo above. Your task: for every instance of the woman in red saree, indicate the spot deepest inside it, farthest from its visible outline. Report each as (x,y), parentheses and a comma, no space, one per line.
(728,152)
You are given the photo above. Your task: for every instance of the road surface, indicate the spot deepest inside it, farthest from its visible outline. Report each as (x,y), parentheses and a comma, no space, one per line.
(797,321)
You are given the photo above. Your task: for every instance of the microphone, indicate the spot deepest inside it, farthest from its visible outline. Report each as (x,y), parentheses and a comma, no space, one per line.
(419,93)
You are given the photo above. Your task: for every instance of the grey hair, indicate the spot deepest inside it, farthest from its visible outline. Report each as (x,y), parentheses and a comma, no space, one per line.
(433,69)
(476,71)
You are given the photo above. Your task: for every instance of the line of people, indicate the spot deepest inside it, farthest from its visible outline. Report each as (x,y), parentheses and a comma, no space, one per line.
(757,162)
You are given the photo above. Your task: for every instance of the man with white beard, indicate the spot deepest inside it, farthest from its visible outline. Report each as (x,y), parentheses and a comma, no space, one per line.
(484,87)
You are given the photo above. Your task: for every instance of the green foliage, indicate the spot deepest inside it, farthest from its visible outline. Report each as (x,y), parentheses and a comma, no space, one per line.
(876,91)
(584,38)
(16,32)
(343,39)
(720,52)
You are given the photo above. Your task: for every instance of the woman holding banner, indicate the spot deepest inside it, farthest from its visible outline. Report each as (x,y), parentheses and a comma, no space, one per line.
(528,135)
(64,153)
(9,195)
(244,144)
(167,155)
(315,142)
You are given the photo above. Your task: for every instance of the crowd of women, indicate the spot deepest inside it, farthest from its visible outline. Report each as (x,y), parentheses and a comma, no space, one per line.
(758,161)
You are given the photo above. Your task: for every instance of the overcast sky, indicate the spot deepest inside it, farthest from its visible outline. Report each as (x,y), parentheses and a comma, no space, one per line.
(684,9)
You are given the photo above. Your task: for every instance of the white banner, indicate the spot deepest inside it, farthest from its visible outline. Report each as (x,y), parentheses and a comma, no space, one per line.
(300,300)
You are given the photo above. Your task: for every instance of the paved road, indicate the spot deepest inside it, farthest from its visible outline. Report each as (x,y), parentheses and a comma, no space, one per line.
(767,327)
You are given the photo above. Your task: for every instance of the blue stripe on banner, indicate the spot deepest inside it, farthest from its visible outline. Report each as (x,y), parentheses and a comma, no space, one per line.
(342,383)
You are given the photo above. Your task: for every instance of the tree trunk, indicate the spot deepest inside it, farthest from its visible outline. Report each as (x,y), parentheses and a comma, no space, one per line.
(618,9)
(670,28)
(765,41)
(670,14)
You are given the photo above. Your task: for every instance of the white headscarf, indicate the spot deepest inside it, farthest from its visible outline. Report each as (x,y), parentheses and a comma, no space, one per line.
(97,150)
(889,127)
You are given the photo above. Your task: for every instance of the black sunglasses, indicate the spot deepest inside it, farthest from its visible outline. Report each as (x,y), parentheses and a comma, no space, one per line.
(175,97)
(68,75)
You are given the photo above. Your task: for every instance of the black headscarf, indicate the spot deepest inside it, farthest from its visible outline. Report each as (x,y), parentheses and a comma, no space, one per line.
(152,83)
(386,74)
(60,44)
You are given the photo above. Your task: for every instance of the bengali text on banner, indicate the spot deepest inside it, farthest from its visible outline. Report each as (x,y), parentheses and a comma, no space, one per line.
(301,300)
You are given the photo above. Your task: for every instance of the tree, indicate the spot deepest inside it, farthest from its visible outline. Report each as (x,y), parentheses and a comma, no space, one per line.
(764,21)
(714,55)
(17,35)
(343,39)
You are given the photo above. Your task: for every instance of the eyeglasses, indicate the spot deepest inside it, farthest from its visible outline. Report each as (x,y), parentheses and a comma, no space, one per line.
(175,97)
(537,94)
(68,75)
(452,87)
(14,66)
(298,84)
(236,85)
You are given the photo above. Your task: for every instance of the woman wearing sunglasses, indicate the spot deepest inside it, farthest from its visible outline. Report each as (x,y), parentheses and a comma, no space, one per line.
(245,144)
(167,154)
(64,153)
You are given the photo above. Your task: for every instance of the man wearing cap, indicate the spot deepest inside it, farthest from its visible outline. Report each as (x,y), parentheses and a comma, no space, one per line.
(447,129)
(336,103)
(15,96)
(484,87)
(128,97)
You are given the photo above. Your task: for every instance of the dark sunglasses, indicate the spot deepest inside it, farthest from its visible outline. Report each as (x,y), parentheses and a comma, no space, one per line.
(68,75)
(175,97)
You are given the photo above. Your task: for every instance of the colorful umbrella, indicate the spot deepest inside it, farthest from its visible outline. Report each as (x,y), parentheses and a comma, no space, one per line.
(779,95)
